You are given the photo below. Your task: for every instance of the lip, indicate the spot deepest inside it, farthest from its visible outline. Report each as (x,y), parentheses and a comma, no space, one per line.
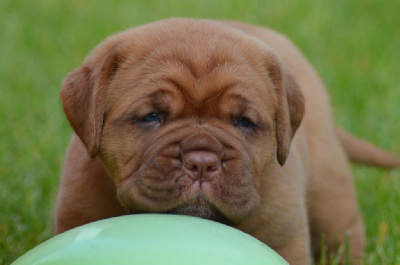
(200,207)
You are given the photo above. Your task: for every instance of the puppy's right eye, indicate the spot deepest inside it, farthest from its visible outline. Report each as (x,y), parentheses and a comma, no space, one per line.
(149,118)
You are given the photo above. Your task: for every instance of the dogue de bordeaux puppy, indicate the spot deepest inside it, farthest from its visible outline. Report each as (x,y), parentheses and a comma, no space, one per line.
(220,120)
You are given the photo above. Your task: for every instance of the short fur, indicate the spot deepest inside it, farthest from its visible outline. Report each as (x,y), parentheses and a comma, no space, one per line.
(244,136)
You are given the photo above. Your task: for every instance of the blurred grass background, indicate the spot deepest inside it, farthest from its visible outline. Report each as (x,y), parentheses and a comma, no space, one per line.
(354,45)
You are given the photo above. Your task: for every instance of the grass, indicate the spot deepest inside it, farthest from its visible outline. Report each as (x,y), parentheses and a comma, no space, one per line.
(354,46)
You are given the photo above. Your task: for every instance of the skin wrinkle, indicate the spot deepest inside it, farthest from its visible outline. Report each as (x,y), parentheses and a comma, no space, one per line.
(164,188)
(182,90)
(153,192)
(180,87)
(188,66)
(155,142)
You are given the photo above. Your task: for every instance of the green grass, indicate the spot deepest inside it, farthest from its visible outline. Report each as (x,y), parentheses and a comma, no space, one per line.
(353,44)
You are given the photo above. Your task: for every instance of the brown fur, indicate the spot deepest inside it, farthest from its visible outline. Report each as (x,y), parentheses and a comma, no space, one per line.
(283,178)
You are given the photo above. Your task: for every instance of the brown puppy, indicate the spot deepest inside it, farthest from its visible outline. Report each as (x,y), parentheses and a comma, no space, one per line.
(203,118)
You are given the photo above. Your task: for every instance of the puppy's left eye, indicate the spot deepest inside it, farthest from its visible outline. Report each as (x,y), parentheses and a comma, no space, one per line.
(244,122)
(152,117)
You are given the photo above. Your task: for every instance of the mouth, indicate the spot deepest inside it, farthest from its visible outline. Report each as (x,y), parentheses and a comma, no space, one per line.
(199,207)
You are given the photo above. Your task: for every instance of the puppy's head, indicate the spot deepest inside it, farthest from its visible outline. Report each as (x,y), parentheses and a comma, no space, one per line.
(185,116)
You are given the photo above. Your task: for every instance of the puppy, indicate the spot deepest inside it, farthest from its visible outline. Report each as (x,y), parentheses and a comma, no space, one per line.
(220,120)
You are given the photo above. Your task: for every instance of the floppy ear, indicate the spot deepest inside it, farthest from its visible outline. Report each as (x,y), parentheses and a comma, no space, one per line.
(83,95)
(290,107)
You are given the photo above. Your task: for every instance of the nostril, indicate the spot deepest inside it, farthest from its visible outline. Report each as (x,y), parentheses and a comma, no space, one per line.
(193,168)
(212,168)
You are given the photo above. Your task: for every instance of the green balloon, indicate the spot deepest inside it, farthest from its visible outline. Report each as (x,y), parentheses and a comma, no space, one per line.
(149,239)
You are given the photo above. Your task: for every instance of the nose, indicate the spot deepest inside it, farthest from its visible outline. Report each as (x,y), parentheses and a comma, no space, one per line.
(201,164)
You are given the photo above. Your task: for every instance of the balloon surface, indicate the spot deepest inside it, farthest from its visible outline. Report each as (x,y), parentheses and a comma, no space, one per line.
(149,239)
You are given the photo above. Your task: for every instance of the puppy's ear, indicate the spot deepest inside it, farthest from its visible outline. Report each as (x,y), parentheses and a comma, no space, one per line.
(83,95)
(290,107)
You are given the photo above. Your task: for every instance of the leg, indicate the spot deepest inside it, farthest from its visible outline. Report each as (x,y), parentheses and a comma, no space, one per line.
(297,251)
(333,210)
(86,192)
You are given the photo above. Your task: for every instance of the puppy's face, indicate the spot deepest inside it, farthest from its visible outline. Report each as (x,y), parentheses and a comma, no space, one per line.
(190,115)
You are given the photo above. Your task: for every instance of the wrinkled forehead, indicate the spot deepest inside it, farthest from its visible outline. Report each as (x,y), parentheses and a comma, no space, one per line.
(198,61)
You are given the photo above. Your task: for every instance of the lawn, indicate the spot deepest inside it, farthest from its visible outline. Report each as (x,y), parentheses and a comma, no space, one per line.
(354,45)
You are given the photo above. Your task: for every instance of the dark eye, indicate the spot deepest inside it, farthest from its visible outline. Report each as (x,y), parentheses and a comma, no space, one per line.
(244,122)
(151,117)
